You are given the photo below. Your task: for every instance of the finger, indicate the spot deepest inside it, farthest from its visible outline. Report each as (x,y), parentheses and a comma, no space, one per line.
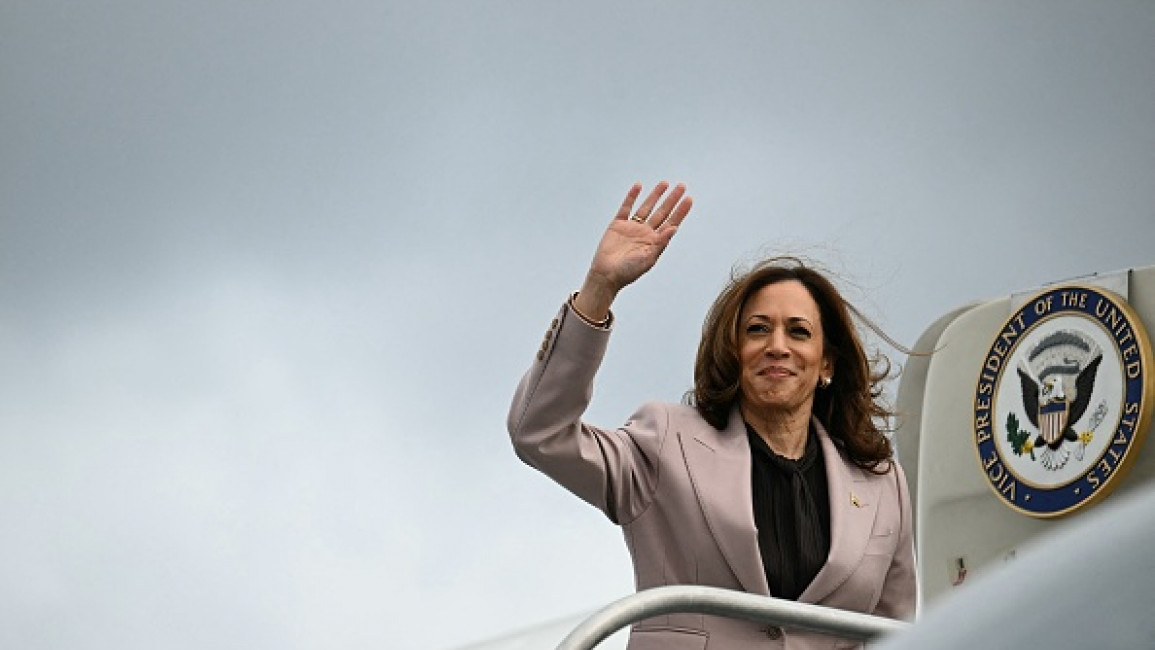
(647,206)
(679,214)
(628,203)
(657,218)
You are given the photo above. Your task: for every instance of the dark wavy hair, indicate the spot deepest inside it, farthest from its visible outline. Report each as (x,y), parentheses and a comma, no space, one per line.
(851,408)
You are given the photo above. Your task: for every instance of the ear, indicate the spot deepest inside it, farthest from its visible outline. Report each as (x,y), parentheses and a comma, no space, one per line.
(827,366)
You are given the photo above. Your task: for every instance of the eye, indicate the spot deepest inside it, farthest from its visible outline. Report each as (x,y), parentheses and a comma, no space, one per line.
(800,332)
(757,328)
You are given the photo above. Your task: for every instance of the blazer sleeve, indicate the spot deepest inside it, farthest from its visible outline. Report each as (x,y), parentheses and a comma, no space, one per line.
(613,469)
(900,590)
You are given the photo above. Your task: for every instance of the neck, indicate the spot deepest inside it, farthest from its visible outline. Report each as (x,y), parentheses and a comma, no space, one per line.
(784,433)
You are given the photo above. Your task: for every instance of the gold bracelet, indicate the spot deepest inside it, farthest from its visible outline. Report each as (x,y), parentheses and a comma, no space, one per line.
(602,324)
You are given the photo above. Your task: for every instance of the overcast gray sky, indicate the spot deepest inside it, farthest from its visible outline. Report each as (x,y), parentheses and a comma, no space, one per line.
(270,271)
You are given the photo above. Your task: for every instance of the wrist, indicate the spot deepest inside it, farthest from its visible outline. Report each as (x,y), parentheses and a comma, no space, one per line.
(599,288)
(589,312)
(594,298)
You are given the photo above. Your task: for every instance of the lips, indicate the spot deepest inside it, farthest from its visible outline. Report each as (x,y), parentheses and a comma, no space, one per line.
(775,372)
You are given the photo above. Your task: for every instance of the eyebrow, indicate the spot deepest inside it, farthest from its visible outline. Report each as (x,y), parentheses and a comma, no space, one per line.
(792,319)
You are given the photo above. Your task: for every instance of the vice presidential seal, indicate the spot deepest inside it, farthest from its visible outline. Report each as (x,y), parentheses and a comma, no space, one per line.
(1063,400)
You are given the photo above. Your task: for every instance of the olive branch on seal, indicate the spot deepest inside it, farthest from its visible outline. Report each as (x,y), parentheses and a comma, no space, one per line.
(1020,440)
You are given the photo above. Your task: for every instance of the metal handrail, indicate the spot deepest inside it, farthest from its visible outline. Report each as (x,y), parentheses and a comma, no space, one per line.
(724,602)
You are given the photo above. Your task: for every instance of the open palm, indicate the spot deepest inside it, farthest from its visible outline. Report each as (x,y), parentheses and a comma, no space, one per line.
(633,241)
(631,245)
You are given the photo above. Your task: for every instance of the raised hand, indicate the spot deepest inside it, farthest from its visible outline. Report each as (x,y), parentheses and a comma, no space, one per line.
(631,245)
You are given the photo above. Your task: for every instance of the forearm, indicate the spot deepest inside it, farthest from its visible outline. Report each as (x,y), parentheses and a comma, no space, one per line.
(545,415)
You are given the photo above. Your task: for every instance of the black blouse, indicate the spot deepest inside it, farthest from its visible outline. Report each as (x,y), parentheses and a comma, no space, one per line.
(792,513)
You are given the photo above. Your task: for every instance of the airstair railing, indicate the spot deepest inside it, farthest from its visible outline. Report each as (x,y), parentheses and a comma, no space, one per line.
(731,604)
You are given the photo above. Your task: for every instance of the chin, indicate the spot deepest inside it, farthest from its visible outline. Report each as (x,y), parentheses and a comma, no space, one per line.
(777,405)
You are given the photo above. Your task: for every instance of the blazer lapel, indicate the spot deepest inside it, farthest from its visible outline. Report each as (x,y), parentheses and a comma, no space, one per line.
(719,466)
(853,505)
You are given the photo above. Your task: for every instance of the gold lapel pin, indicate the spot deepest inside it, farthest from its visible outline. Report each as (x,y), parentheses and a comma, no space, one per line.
(854,500)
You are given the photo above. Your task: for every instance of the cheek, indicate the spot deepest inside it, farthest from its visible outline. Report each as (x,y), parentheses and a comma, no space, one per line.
(747,354)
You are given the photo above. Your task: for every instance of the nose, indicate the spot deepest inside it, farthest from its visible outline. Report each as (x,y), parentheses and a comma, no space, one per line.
(776,347)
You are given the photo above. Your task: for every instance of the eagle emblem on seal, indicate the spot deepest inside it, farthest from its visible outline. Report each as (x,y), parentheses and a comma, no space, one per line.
(1056,388)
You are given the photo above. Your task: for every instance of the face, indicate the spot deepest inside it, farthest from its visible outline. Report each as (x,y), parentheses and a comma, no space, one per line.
(780,347)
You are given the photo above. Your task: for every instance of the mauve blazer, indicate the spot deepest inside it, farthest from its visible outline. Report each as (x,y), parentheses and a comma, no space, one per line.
(680,490)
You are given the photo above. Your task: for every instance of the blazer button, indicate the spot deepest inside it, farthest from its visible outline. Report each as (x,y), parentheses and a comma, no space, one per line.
(773,632)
